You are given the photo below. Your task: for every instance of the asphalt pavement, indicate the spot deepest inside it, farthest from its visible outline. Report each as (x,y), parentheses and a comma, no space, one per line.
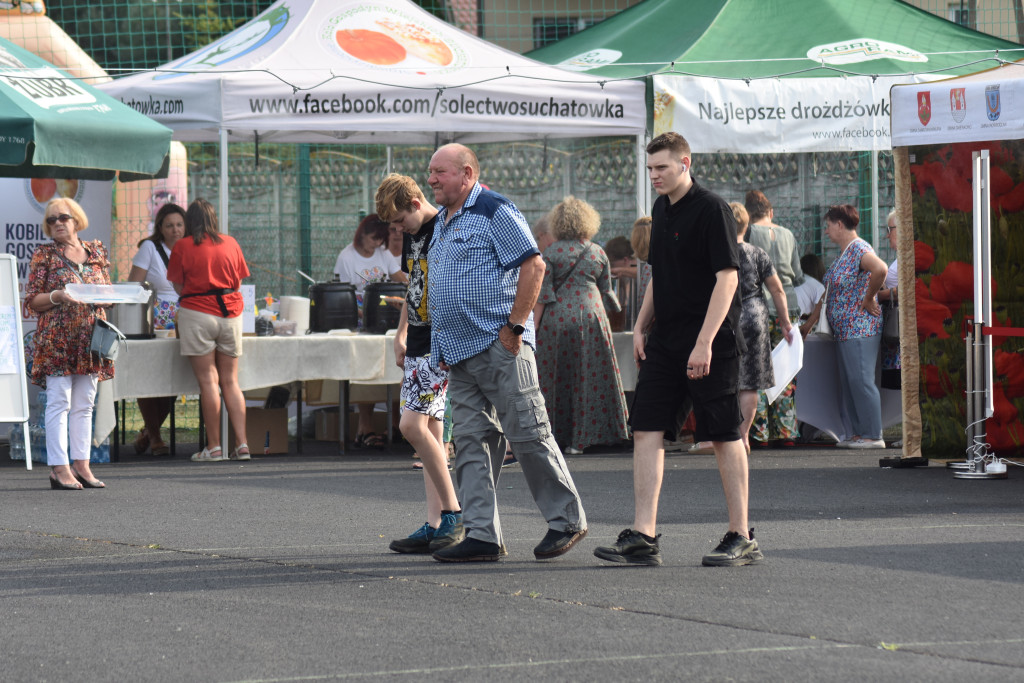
(278,569)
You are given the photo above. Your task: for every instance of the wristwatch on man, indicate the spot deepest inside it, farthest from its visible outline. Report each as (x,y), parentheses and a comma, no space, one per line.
(516,328)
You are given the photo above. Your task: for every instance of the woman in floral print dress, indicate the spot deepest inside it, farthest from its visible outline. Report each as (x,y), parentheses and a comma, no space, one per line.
(575,353)
(61,363)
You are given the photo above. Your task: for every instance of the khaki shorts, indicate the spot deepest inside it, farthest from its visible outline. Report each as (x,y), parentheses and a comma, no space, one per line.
(201,333)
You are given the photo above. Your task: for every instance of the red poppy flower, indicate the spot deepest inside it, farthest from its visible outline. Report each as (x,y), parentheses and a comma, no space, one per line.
(1013,200)
(937,382)
(1004,438)
(932,319)
(998,339)
(924,256)
(1010,368)
(1004,411)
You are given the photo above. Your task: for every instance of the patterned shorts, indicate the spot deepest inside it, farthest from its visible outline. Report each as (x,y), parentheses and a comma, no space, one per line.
(424,389)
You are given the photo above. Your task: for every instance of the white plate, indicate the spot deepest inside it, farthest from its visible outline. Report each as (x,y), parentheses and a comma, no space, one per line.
(109,294)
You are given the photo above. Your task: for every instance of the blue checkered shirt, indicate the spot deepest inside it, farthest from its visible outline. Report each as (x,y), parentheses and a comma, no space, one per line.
(473,263)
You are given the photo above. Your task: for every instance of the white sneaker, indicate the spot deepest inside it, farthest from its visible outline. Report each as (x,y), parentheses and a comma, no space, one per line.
(845,443)
(867,443)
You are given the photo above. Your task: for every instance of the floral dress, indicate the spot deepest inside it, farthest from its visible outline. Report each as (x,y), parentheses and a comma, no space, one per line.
(63,334)
(756,370)
(575,354)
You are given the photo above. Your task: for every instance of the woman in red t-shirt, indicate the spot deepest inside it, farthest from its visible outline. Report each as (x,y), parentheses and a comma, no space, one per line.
(206,269)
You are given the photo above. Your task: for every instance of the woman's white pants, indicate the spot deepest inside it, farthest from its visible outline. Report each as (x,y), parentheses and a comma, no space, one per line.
(68,420)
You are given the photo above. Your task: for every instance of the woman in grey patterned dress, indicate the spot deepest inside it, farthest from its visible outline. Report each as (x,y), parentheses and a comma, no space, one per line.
(576,362)
(756,271)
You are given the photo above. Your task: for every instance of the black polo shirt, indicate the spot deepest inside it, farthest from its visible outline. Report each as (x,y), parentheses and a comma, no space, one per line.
(691,241)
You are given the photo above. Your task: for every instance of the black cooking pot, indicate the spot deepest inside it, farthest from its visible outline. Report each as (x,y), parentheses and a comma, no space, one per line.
(378,315)
(332,306)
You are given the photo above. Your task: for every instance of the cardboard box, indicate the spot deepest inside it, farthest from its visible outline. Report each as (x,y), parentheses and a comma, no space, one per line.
(261,424)
(327,424)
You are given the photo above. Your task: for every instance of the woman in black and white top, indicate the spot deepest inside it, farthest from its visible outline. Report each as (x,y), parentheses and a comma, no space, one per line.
(150,265)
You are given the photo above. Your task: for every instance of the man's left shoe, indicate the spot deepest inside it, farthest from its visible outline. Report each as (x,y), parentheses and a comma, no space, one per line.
(863,443)
(734,551)
(557,543)
(418,542)
(449,532)
(469,550)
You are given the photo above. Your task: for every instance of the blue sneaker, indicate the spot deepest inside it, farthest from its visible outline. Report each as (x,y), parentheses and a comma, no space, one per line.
(451,531)
(419,540)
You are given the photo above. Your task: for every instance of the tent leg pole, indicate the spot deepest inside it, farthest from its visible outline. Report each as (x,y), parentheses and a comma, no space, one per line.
(223,208)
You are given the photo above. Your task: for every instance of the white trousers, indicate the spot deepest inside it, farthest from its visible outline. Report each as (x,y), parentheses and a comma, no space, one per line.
(68,421)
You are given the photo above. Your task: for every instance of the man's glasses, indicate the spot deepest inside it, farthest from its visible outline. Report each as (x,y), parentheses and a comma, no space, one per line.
(61,218)
(889,229)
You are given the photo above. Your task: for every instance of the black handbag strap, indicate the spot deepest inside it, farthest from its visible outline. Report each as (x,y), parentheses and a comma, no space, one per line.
(561,281)
(163,254)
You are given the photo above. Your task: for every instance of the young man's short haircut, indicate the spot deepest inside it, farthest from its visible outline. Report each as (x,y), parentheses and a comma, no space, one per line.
(672,141)
(395,195)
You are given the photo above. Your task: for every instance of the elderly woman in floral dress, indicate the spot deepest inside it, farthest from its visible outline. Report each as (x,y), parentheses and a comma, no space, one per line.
(61,362)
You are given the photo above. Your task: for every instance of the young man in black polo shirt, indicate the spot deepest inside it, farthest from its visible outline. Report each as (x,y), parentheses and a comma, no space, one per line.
(690,314)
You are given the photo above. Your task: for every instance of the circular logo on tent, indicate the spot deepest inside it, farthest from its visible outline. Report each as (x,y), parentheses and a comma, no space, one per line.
(234,45)
(591,59)
(863,50)
(381,36)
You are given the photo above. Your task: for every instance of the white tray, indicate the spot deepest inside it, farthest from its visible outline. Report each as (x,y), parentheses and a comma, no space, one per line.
(108,294)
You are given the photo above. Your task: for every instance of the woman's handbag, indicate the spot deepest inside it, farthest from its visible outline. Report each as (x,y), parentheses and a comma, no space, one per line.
(106,340)
(823,329)
(891,325)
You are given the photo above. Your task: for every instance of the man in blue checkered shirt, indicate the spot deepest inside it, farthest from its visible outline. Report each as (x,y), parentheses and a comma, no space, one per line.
(485,276)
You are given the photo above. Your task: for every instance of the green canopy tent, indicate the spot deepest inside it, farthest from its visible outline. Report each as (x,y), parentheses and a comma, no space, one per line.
(771,76)
(53,126)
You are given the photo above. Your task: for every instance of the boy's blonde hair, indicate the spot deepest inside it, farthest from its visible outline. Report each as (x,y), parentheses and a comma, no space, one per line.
(395,194)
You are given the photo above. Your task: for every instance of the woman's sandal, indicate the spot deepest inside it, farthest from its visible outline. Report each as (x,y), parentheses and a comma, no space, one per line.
(238,455)
(214,454)
(94,484)
(160,448)
(141,442)
(369,440)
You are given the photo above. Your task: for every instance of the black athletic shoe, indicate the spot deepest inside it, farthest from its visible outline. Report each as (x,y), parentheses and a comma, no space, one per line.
(451,531)
(557,543)
(734,551)
(469,550)
(631,548)
(416,542)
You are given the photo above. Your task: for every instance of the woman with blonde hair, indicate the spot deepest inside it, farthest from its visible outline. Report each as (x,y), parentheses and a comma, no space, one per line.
(61,362)
(575,353)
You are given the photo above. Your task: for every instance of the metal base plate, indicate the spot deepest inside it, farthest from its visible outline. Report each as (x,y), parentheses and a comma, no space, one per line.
(960,466)
(979,475)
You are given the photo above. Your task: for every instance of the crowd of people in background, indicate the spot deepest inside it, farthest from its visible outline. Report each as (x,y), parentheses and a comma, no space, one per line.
(505,340)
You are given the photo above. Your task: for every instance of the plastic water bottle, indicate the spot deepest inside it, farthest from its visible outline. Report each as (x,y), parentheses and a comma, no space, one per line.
(17,443)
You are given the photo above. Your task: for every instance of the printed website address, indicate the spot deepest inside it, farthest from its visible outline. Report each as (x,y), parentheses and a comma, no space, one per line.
(308,104)
(850,133)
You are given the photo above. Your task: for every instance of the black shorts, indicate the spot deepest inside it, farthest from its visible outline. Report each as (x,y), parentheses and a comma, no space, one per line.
(662,388)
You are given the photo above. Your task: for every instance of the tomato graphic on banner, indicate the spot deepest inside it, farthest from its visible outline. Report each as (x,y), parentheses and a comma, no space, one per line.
(924,107)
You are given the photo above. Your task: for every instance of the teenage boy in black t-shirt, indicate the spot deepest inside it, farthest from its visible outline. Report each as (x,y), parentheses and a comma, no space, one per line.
(690,314)
(401,203)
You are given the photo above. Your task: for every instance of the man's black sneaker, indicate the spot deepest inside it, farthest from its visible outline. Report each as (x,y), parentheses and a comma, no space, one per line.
(631,548)
(557,543)
(469,550)
(734,551)
(417,542)
(451,531)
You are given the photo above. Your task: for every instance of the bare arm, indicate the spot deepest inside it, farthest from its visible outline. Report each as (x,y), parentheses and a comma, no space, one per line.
(643,323)
(399,276)
(774,285)
(137,274)
(531,276)
(402,335)
(699,363)
(876,266)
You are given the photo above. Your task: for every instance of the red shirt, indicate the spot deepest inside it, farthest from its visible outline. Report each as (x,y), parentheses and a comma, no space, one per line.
(202,267)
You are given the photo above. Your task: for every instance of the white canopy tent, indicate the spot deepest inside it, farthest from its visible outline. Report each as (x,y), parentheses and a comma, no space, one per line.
(384,72)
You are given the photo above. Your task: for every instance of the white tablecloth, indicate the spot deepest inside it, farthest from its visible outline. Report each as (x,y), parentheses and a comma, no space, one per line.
(818,399)
(155,367)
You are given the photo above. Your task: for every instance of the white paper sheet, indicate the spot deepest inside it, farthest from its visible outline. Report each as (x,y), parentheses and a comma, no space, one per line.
(787,359)
(10,362)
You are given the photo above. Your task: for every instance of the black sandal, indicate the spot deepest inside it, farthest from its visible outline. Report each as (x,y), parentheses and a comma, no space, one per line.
(369,440)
